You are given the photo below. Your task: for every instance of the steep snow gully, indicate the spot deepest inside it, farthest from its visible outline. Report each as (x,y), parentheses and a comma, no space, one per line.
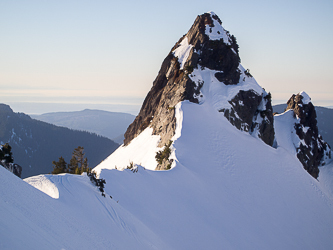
(226,189)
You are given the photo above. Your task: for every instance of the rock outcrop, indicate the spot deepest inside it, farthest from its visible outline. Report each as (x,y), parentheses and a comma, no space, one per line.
(7,161)
(207,49)
(312,150)
(12,167)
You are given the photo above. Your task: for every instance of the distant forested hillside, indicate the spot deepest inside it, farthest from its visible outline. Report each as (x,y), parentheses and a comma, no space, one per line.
(109,124)
(35,144)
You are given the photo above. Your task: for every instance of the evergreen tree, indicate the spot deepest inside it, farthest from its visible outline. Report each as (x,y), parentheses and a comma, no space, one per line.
(77,164)
(81,161)
(73,165)
(59,166)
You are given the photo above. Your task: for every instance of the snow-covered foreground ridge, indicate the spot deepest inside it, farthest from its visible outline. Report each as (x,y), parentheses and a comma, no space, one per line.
(227,190)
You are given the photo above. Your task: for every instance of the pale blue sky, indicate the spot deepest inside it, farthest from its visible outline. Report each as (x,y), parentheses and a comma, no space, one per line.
(97,54)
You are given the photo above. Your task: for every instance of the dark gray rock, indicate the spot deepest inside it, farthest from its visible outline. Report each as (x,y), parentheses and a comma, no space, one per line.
(252,112)
(312,151)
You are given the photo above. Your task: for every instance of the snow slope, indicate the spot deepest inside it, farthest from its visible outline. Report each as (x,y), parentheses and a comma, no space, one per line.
(227,190)
(79,219)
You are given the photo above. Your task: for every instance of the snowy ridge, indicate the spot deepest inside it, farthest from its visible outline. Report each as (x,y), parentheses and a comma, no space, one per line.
(306,98)
(239,186)
(141,151)
(79,219)
(44,184)
(243,191)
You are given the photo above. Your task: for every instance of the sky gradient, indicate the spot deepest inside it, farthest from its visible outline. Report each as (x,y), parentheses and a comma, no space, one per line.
(71,55)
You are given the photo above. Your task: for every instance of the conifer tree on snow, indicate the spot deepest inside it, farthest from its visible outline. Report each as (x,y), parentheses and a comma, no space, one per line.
(59,166)
(77,164)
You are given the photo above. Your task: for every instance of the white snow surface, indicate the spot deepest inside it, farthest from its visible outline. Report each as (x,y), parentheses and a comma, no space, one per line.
(227,190)
(217,32)
(285,132)
(141,151)
(306,98)
(79,219)
(44,184)
(218,94)
(182,52)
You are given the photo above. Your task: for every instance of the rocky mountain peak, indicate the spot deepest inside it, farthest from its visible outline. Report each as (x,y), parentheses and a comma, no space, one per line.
(204,66)
(312,151)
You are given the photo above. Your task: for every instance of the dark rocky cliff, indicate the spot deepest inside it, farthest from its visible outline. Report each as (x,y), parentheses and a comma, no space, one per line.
(312,151)
(174,83)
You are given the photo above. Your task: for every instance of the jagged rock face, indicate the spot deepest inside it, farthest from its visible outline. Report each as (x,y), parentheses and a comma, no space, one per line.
(312,151)
(206,47)
(252,113)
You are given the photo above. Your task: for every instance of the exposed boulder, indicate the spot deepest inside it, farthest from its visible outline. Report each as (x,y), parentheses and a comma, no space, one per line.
(312,150)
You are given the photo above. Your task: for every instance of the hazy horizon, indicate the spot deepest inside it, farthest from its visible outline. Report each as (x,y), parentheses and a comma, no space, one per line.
(79,54)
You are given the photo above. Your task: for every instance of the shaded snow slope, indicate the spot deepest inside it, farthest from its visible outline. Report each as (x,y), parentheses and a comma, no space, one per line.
(285,132)
(79,219)
(228,190)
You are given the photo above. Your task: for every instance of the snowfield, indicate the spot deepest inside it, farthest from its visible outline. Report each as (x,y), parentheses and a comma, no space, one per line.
(227,190)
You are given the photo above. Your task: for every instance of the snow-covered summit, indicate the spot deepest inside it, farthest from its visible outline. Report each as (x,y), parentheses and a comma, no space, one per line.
(204,67)
(215,31)
(306,98)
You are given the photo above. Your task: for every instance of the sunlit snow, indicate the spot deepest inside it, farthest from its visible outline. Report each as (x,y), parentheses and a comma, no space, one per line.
(306,98)
(217,32)
(182,52)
